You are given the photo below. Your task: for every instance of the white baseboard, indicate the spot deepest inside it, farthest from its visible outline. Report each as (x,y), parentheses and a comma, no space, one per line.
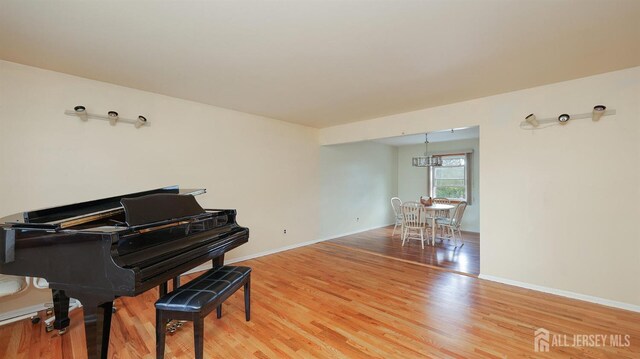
(564,293)
(282,249)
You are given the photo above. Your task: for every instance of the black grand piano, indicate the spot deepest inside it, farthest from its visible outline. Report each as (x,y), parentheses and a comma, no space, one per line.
(99,250)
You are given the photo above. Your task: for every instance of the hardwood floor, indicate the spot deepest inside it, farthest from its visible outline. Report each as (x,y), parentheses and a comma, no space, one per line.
(464,259)
(330,301)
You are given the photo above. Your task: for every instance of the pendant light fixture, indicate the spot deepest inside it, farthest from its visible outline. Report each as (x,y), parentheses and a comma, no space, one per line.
(426,160)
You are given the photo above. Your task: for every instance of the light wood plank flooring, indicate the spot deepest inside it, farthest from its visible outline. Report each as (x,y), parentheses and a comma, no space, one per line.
(445,254)
(329,301)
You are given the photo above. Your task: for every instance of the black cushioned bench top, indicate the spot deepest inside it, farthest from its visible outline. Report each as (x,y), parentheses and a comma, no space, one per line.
(194,295)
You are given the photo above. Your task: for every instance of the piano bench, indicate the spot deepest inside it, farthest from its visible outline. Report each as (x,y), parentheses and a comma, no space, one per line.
(196,299)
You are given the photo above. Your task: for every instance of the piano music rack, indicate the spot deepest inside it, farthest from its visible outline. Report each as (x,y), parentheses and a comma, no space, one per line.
(112,116)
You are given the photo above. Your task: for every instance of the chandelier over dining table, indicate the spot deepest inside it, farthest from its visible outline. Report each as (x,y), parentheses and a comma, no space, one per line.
(426,160)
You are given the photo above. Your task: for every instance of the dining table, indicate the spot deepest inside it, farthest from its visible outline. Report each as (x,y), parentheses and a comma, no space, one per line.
(432,210)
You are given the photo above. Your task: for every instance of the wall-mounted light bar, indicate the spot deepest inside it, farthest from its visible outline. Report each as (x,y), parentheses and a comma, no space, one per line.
(112,116)
(532,123)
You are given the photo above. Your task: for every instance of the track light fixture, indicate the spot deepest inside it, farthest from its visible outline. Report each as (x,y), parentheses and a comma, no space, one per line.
(81,112)
(140,122)
(531,122)
(598,111)
(564,118)
(112,116)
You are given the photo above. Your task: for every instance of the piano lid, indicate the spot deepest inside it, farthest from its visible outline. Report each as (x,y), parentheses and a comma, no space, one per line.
(159,207)
(74,214)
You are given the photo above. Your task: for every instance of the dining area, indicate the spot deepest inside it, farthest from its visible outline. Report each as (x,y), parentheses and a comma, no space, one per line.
(425,219)
(431,234)
(434,217)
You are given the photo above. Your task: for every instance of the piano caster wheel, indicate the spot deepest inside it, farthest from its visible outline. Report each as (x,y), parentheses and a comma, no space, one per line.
(173,325)
(35,319)
(49,329)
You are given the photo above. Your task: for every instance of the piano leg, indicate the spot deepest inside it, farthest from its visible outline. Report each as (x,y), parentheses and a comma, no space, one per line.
(97,326)
(60,309)
(162,289)
(217,261)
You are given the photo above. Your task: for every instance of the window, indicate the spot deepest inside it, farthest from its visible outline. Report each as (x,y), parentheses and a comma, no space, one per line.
(451,180)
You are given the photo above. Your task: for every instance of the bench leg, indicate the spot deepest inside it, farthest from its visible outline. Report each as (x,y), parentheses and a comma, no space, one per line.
(247,299)
(198,337)
(160,335)
(219,311)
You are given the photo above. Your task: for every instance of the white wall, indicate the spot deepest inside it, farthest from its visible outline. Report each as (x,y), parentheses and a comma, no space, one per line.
(412,181)
(560,205)
(266,169)
(357,183)
(261,167)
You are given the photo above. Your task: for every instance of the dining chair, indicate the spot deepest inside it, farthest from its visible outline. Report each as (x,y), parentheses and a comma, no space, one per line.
(441,200)
(427,201)
(415,219)
(452,224)
(396,203)
(442,213)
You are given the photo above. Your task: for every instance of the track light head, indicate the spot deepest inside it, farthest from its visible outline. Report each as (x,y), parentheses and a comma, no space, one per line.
(113,117)
(598,111)
(564,118)
(81,111)
(141,121)
(532,120)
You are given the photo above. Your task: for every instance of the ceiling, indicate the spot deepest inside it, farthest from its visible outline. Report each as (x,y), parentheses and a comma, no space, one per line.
(437,136)
(322,63)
